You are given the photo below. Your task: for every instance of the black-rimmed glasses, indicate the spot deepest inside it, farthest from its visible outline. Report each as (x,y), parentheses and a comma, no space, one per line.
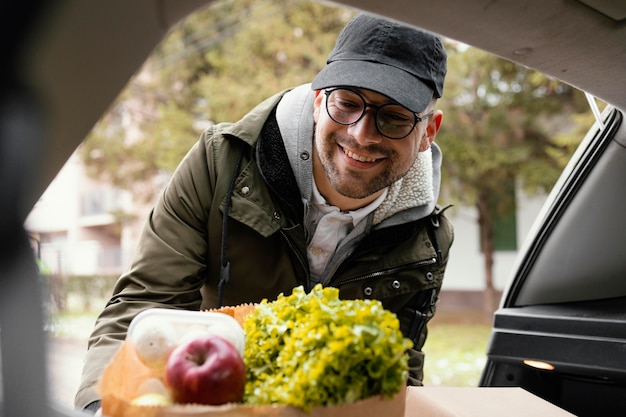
(393,121)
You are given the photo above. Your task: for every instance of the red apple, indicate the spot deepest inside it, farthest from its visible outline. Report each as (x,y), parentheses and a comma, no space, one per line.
(206,370)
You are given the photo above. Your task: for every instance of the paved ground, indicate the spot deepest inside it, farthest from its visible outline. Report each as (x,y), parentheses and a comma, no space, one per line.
(65,362)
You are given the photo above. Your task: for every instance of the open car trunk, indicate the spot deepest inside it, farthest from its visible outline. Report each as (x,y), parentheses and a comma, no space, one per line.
(560,331)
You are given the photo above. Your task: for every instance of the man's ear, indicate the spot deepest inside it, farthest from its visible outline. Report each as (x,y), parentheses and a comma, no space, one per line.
(434,122)
(317,104)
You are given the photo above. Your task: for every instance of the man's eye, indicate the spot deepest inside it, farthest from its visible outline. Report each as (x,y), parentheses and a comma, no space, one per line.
(347,105)
(396,118)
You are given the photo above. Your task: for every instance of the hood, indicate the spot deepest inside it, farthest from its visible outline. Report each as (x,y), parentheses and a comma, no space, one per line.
(412,197)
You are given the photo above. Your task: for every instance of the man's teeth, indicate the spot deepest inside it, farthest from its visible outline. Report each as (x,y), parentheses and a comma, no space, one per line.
(359,158)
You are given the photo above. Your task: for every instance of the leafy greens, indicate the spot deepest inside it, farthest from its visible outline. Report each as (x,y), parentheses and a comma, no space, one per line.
(314,349)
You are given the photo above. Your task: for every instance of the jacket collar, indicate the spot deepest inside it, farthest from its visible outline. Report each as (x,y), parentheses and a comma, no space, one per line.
(284,156)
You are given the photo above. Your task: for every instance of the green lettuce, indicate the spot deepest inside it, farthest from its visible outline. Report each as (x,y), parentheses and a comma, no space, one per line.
(314,349)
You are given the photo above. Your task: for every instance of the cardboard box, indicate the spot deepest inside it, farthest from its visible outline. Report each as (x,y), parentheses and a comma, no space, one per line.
(477,402)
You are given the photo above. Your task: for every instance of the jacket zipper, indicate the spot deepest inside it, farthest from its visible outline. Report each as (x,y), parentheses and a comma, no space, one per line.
(303,264)
(413,265)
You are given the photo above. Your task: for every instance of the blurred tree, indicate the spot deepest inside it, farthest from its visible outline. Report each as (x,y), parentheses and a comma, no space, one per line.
(505,127)
(215,66)
(223,60)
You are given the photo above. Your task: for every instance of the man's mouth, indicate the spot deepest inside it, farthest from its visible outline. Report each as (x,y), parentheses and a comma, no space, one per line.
(358,157)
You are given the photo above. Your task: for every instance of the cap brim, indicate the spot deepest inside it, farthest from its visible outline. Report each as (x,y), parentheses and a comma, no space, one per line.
(390,81)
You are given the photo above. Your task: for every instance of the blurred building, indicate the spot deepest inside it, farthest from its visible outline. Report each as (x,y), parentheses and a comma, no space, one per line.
(83,227)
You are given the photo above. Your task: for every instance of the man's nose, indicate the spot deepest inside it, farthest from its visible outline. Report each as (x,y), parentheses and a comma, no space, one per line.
(365,131)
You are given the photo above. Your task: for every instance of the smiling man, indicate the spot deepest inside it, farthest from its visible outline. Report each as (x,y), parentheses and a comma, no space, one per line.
(332,183)
(354,160)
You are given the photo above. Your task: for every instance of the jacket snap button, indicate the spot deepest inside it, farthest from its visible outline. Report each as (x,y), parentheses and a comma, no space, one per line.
(276,215)
(395,285)
(367,291)
(305,156)
(429,276)
(245,190)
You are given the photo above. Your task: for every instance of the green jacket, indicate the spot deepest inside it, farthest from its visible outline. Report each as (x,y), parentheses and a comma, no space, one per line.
(177,263)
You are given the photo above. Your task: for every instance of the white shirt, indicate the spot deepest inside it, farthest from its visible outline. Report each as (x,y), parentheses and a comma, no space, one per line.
(328,226)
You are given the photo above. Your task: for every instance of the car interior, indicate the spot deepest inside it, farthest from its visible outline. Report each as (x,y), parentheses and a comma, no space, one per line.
(66,61)
(560,330)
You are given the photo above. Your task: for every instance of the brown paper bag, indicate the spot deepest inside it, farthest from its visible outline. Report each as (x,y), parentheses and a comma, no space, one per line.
(370,407)
(126,376)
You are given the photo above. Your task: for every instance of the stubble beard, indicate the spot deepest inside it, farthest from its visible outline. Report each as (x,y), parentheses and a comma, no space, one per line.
(351,184)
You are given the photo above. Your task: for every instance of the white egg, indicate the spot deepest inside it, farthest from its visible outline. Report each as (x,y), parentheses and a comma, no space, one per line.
(230,331)
(193,332)
(154,340)
(152,386)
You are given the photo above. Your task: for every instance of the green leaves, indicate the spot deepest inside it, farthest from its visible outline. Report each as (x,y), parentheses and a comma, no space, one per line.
(314,349)
(214,66)
(502,120)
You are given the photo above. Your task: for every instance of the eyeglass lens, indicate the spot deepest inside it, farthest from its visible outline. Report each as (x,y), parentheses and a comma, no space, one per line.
(347,107)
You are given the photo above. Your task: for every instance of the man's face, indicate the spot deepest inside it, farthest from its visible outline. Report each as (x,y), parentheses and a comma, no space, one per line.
(358,161)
